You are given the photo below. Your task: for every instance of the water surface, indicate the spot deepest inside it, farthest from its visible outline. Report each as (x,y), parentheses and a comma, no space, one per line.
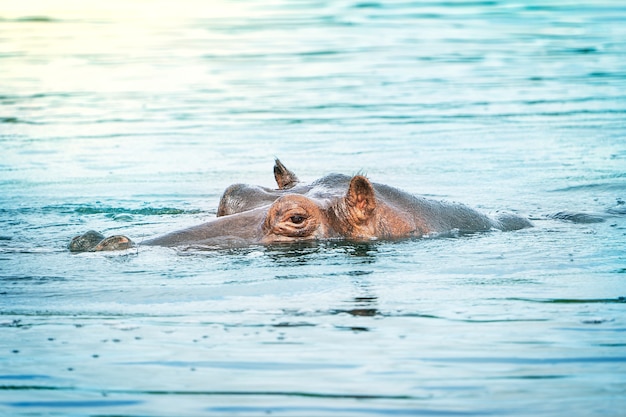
(133,116)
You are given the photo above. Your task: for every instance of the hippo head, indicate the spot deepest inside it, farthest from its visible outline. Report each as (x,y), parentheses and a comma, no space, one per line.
(351,210)
(357,215)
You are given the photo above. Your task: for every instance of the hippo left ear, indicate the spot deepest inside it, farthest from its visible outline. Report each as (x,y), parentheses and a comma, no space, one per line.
(285,179)
(360,198)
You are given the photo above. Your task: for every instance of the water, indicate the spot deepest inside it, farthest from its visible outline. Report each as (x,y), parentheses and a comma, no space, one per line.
(133,116)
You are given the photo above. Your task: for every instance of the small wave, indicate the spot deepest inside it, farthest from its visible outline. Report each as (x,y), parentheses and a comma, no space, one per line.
(35,19)
(36,279)
(609,186)
(572,300)
(15,120)
(581,218)
(581,50)
(334,411)
(31,19)
(259,366)
(72,404)
(444,4)
(368,5)
(530,361)
(28,250)
(26,377)
(18,97)
(604,74)
(120,211)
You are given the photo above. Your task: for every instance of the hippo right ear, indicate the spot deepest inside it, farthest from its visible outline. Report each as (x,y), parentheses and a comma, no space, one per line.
(360,199)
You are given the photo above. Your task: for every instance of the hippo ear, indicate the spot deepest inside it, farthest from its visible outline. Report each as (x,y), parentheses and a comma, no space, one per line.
(360,198)
(285,179)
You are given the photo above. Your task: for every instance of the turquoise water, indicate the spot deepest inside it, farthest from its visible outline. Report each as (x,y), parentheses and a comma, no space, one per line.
(133,116)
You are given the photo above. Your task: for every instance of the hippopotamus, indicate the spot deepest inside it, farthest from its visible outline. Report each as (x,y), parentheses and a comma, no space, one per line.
(334,207)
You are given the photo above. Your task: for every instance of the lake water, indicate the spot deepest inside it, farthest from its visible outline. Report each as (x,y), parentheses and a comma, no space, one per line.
(133,116)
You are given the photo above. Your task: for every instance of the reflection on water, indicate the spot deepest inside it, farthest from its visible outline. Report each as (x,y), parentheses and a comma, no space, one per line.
(363,307)
(132,117)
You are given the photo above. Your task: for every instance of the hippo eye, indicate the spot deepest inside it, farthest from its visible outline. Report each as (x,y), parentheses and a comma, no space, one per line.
(292,217)
(297,219)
